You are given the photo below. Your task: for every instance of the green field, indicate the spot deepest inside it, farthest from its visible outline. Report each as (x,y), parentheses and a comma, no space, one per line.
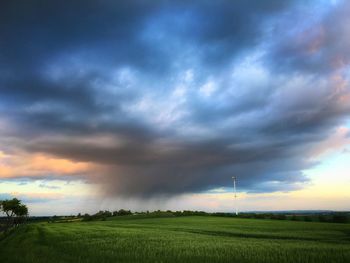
(178,239)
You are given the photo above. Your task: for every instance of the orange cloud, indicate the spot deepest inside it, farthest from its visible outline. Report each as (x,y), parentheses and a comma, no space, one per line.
(43,163)
(37,165)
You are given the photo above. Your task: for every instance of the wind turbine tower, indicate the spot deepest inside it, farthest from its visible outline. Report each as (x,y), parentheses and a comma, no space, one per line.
(235,194)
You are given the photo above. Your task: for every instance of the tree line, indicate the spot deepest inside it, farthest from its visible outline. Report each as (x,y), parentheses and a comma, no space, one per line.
(102,215)
(332,217)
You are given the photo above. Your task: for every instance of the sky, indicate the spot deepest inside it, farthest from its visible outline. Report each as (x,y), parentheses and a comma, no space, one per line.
(148,105)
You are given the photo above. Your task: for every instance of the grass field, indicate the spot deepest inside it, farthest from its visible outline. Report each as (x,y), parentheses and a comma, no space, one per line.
(178,239)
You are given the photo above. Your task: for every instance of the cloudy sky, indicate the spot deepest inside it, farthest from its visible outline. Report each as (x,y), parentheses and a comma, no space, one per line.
(157,104)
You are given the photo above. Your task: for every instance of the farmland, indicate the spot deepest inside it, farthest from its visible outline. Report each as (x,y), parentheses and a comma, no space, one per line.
(178,239)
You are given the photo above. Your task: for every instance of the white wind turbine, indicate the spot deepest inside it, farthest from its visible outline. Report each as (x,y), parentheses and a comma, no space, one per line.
(235,193)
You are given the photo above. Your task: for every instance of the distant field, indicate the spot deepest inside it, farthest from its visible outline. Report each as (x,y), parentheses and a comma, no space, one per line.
(178,239)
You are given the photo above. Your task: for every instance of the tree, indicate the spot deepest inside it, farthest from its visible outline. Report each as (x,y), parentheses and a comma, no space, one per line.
(14,210)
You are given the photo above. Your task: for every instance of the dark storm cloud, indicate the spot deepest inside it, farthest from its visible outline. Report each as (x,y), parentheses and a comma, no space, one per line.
(38,30)
(168,97)
(113,32)
(150,168)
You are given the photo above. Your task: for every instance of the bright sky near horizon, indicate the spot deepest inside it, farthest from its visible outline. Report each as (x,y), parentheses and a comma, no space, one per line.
(150,105)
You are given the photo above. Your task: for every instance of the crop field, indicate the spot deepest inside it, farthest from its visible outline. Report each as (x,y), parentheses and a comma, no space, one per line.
(178,239)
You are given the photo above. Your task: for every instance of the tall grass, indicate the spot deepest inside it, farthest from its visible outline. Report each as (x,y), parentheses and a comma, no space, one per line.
(174,239)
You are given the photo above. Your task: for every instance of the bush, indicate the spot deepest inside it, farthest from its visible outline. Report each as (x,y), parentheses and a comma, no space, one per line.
(122,212)
(340,218)
(323,218)
(294,218)
(307,219)
(87,217)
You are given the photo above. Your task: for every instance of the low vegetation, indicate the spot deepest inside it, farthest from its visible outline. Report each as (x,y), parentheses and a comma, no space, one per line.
(146,238)
(173,236)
